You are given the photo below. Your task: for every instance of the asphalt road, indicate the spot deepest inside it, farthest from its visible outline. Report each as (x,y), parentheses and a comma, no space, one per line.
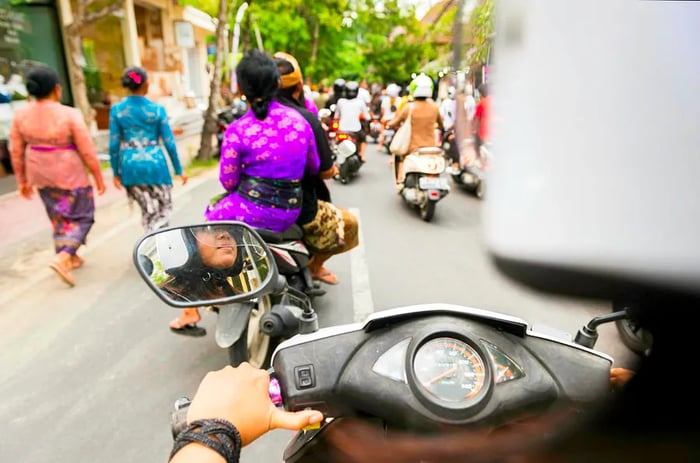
(90,373)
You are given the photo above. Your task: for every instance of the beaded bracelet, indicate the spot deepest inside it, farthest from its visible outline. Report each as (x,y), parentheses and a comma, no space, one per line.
(215,433)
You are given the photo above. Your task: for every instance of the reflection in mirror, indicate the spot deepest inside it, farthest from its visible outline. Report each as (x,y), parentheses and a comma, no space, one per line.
(204,263)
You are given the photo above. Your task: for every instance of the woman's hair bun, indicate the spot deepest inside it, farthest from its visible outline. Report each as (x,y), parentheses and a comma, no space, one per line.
(40,81)
(134,77)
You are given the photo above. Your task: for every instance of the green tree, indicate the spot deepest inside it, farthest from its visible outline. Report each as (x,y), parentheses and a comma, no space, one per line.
(391,41)
(481,28)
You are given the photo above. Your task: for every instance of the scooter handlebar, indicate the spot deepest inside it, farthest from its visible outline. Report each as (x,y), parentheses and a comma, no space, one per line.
(178,419)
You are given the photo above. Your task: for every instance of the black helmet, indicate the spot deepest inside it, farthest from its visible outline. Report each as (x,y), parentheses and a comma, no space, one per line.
(339,88)
(351,89)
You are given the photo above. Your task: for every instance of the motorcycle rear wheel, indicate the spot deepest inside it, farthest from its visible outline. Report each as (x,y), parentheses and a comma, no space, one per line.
(427,210)
(479,192)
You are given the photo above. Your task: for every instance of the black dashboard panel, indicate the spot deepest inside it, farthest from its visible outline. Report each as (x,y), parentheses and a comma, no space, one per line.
(501,374)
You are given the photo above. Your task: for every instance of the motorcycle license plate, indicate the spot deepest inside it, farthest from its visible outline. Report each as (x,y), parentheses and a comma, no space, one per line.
(432,183)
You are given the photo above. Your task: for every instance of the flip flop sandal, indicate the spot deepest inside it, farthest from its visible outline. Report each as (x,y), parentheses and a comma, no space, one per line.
(191,329)
(65,275)
(327,277)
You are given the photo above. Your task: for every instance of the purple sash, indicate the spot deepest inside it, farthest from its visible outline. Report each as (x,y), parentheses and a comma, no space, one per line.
(52,148)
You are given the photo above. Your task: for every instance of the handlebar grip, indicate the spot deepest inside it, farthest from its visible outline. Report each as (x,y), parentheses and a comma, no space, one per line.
(178,419)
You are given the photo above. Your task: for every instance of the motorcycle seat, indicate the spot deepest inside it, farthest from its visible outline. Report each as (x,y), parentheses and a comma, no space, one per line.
(291,234)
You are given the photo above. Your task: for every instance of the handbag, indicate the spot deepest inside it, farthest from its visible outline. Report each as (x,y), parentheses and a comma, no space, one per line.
(402,138)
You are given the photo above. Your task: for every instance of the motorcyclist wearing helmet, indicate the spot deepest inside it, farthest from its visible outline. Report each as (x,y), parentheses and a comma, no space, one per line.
(338,93)
(389,107)
(448,112)
(200,264)
(350,112)
(425,118)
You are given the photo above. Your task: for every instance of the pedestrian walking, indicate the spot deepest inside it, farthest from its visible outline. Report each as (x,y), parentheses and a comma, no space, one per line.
(137,125)
(51,148)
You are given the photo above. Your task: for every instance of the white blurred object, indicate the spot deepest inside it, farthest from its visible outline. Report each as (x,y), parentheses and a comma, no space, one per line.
(594,172)
(345,148)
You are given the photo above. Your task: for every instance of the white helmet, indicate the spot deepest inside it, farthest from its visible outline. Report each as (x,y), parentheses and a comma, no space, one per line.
(175,250)
(393,90)
(422,87)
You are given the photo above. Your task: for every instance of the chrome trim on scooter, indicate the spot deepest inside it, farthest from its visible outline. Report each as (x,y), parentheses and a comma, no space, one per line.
(548,337)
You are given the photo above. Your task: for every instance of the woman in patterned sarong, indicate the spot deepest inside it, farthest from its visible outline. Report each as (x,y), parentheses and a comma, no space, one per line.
(51,147)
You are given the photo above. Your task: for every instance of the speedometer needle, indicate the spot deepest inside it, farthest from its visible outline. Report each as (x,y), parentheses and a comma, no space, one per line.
(444,374)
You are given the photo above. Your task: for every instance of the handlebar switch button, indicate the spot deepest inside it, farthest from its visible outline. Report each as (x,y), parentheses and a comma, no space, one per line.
(304,376)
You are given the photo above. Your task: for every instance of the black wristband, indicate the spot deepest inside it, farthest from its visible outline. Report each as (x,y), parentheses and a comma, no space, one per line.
(215,433)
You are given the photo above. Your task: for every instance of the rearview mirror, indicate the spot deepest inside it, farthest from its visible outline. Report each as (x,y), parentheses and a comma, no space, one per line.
(324,113)
(208,264)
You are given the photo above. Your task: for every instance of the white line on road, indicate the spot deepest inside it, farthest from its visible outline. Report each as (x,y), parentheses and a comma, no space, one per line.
(362,304)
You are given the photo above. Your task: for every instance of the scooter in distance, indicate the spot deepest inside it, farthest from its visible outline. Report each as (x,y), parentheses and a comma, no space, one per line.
(375,128)
(472,169)
(388,136)
(422,186)
(431,368)
(347,157)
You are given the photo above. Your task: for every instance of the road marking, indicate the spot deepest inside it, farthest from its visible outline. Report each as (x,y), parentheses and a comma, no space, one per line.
(133,219)
(362,304)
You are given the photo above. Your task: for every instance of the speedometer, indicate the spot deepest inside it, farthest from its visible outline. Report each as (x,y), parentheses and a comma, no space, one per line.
(449,369)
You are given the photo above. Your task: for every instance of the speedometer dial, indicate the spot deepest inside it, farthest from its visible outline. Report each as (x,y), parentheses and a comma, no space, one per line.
(449,369)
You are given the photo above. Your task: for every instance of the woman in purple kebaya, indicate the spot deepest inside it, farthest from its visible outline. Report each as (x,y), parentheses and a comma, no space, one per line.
(264,155)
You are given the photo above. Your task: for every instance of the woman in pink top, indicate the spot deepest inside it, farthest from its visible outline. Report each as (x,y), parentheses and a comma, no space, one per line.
(50,147)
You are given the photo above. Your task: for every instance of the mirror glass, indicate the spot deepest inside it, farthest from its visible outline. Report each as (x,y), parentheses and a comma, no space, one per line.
(204,264)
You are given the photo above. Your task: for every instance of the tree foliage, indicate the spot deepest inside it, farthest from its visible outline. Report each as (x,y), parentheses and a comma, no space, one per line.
(481,27)
(342,38)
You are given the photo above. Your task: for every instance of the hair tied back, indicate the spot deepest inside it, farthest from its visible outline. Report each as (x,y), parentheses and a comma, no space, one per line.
(135,76)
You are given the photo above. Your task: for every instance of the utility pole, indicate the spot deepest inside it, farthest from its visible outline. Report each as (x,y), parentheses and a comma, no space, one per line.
(234,47)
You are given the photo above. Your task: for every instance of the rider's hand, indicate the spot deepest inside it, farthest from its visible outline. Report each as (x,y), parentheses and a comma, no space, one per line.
(183,178)
(330,173)
(240,395)
(117,182)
